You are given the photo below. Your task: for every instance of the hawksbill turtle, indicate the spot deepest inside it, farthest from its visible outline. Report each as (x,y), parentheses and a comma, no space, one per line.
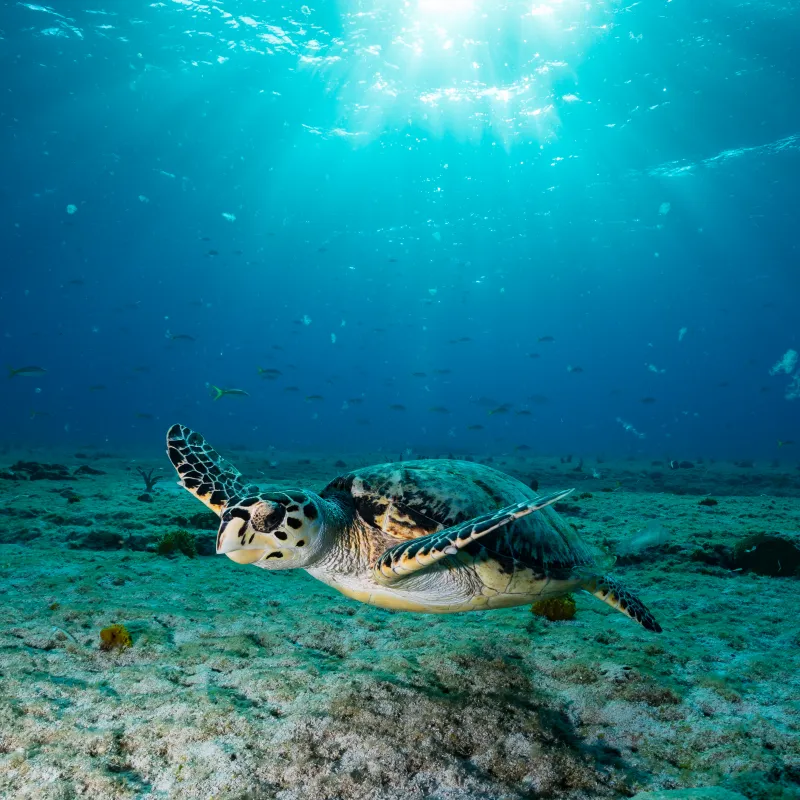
(436,536)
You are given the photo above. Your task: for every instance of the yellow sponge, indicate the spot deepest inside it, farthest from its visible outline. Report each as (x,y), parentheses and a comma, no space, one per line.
(115,637)
(555,608)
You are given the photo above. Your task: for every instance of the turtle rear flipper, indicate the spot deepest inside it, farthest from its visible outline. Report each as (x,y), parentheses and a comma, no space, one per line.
(420,553)
(611,591)
(203,471)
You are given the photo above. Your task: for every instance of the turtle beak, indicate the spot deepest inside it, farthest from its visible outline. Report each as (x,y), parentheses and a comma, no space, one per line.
(231,542)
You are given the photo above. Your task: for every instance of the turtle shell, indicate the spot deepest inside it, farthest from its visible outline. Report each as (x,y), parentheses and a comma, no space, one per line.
(410,499)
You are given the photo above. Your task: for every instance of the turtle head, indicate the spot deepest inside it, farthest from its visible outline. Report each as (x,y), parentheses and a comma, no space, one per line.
(275,530)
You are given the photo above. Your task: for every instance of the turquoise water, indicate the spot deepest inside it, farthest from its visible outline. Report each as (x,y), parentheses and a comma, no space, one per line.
(395,206)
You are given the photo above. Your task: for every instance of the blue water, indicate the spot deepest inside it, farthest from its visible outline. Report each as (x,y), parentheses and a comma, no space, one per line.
(436,185)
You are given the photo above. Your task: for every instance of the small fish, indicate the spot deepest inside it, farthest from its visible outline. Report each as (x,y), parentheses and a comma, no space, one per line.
(212,253)
(504,409)
(269,374)
(397,407)
(522,447)
(312,398)
(354,401)
(217,392)
(474,427)
(25,372)
(418,375)
(141,369)
(533,355)
(648,400)
(35,414)
(785,444)
(576,370)
(144,415)
(76,282)
(439,410)
(524,413)
(544,339)
(539,399)
(292,389)
(179,337)
(97,387)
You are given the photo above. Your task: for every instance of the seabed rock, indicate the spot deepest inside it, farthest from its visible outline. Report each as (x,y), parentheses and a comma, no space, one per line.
(773,554)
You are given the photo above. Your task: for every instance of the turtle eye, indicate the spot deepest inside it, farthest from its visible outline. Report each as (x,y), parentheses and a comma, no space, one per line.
(267,516)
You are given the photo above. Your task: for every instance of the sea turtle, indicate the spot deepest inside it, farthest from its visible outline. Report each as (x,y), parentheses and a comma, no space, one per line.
(436,536)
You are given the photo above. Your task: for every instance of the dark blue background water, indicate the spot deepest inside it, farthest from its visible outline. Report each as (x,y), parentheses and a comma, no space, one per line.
(402,220)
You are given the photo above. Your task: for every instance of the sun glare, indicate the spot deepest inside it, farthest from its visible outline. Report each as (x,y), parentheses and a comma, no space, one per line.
(449,66)
(448,9)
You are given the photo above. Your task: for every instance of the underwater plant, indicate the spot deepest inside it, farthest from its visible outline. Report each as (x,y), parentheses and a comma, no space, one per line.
(179,541)
(149,479)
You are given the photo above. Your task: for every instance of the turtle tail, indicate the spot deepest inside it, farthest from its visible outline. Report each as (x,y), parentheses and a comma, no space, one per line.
(611,591)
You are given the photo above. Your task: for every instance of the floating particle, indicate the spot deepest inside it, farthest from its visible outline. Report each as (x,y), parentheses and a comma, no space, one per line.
(71,209)
(143,199)
(437,236)
(664,209)
(333,338)
(681,333)
(630,429)
(229,217)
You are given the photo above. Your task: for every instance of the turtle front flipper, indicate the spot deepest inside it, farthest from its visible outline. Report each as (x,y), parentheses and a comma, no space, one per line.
(203,471)
(417,554)
(611,591)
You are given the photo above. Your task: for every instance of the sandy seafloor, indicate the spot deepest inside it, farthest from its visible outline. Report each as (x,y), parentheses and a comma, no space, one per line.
(246,684)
